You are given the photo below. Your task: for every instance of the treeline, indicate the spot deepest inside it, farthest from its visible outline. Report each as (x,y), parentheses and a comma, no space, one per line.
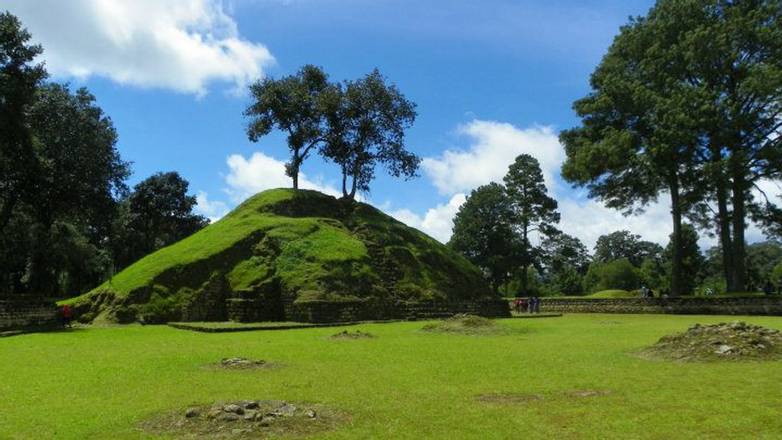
(687,104)
(510,232)
(67,217)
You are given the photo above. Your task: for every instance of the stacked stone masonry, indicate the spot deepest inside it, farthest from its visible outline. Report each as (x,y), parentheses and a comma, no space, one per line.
(347,311)
(26,312)
(768,305)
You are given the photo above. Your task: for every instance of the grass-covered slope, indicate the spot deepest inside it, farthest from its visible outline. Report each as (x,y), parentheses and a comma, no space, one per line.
(298,245)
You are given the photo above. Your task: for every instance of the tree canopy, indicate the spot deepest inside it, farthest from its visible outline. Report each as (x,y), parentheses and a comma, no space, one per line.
(483,232)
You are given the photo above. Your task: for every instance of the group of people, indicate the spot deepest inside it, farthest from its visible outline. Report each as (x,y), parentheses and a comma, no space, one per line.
(528,305)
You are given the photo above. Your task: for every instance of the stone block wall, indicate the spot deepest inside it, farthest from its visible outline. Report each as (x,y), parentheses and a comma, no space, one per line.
(763,305)
(369,310)
(26,312)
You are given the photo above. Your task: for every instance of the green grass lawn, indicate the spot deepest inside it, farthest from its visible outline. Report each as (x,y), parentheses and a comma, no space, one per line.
(99,383)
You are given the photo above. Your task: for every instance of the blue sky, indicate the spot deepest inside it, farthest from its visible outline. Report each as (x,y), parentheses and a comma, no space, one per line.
(492,79)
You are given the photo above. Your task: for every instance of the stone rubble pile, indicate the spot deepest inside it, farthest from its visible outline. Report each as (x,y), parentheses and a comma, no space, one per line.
(735,340)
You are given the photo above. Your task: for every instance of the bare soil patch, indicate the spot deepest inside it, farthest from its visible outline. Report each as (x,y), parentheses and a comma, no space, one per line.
(246,419)
(733,341)
(587,393)
(508,398)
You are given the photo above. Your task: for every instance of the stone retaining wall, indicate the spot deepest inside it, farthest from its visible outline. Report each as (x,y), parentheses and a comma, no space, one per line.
(763,305)
(26,312)
(349,311)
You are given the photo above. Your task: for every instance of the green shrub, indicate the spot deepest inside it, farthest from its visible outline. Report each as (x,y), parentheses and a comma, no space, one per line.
(617,274)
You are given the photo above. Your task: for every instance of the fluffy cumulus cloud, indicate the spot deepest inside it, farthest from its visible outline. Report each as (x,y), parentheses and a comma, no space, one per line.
(260,172)
(493,147)
(175,44)
(212,209)
(437,221)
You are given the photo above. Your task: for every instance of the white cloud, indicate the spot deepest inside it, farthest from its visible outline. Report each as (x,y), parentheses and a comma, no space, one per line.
(176,44)
(437,222)
(260,172)
(495,145)
(212,209)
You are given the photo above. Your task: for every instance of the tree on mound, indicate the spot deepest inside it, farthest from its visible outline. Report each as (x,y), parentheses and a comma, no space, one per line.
(356,124)
(281,248)
(367,120)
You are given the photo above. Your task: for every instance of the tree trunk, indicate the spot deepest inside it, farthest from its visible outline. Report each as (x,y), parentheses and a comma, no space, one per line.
(723,215)
(344,181)
(354,186)
(739,246)
(525,265)
(524,280)
(726,243)
(676,239)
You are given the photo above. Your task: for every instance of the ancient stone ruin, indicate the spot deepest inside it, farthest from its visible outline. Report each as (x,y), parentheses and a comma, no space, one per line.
(724,341)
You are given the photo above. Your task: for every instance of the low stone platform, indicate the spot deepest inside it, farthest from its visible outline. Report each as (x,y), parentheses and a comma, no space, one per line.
(26,312)
(750,305)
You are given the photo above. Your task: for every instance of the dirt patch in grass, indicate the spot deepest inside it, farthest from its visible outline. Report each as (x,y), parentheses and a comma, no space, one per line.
(467,325)
(358,334)
(586,393)
(508,398)
(520,398)
(733,341)
(240,363)
(246,419)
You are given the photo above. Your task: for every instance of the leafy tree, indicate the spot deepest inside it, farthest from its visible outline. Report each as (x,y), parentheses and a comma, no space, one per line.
(639,136)
(617,274)
(19,79)
(624,244)
(534,210)
(654,274)
(79,174)
(565,260)
(776,274)
(293,105)
(733,51)
(762,257)
(158,212)
(561,250)
(367,119)
(701,80)
(483,232)
(692,259)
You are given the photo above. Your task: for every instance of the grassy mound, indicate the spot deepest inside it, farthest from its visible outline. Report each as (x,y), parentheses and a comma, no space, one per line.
(615,293)
(724,341)
(279,246)
(465,324)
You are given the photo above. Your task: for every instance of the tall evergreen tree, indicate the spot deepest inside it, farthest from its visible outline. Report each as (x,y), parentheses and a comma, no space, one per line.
(19,79)
(534,210)
(483,232)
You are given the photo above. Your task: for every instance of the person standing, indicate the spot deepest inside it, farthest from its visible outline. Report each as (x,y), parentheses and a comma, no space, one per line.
(67,315)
